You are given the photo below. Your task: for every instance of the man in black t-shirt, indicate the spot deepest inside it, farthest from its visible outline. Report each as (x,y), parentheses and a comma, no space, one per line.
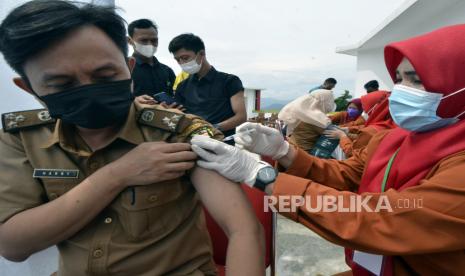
(149,75)
(215,96)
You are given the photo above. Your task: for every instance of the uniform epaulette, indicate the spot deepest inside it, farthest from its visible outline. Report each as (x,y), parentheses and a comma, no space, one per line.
(15,121)
(164,119)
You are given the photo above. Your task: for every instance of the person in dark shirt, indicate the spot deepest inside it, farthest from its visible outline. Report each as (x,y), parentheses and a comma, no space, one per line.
(371,86)
(149,75)
(213,95)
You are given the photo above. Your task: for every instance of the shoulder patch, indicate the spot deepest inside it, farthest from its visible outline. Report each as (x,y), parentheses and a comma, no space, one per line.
(163,119)
(15,121)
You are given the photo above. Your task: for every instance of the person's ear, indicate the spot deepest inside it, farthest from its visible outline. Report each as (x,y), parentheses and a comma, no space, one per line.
(130,41)
(24,85)
(202,55)
(131,64)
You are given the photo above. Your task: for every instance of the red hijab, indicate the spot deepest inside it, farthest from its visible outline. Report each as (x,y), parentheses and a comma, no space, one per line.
(439,60)
(357,102)
(377,106)
(371,99)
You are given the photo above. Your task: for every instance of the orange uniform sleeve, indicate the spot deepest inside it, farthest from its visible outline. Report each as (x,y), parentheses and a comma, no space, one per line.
(359,122)
(346,145)
(427,218)
(362,139)
(338,117)
(341,175)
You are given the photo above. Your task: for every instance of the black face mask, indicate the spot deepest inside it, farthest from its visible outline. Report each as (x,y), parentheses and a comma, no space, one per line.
(92,106)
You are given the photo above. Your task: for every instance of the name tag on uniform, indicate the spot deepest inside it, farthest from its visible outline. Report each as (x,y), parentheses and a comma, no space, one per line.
(55,173)
(370,262)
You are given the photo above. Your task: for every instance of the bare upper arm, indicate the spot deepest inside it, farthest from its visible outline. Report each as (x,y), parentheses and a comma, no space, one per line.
(238,103)
(225,201)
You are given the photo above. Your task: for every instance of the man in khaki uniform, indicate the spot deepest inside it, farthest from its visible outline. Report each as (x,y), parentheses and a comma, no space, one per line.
(110,182)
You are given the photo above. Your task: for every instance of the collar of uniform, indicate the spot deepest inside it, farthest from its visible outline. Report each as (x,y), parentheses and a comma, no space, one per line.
(139,60)
(54,137)
(210,76)
(64,135)
(130,131)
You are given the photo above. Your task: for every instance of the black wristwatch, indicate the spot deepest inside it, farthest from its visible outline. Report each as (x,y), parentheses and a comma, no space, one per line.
(265,176)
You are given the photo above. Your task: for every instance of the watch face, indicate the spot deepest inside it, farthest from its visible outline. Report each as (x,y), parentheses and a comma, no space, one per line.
(267,174)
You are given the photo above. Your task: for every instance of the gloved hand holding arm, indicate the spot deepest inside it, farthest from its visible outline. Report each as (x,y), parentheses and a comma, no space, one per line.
(233,163)
(265,141)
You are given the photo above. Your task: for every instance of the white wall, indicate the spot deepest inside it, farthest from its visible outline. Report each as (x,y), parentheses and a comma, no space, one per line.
(371,66)
(422,17)
(249,98)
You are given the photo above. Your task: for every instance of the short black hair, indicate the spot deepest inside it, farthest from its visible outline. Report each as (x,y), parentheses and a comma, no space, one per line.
(372,84)
(187,41)
(330,81)
(35,25)
(141,24)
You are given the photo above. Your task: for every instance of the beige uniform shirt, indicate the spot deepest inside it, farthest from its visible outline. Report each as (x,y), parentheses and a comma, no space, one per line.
(157,229)
(305,135)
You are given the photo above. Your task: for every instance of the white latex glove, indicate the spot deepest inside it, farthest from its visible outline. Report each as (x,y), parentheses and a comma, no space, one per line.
(261,140)
(231,162)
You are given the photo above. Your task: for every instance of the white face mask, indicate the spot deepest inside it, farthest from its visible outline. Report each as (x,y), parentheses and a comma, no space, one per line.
(364,116)
(145,50)
(191,67)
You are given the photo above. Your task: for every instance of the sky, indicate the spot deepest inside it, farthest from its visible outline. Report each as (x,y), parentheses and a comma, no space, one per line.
(283,47)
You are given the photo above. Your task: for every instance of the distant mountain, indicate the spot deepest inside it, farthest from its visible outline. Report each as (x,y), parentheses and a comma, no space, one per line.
(270,103)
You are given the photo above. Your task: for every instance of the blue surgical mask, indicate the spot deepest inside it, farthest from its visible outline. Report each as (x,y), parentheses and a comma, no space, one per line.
(415,110)
(353,112)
